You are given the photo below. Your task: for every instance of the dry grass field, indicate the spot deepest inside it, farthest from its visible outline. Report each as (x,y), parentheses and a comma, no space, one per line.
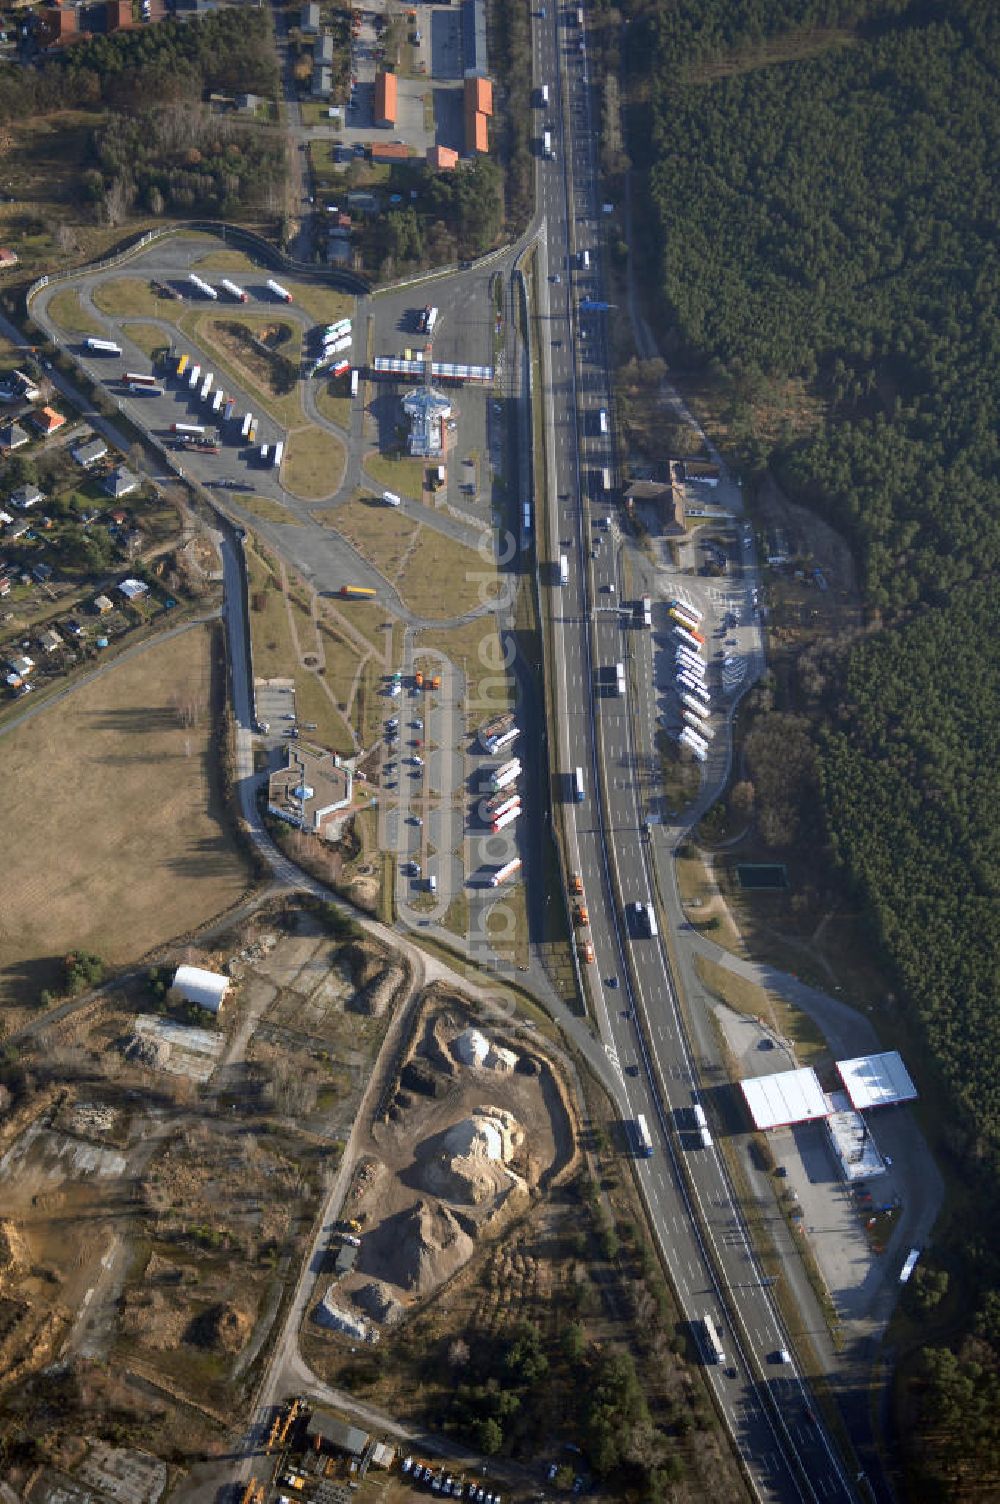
(314,463)
(115,842)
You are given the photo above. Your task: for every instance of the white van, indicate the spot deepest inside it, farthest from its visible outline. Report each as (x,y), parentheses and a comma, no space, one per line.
(432,885)
(545,96)
(585,260)
(391,499)
(602,420)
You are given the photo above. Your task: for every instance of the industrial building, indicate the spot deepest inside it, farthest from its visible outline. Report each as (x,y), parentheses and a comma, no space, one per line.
(427,411)
(792,1097)
(310,790)
(205,988)
(386,99)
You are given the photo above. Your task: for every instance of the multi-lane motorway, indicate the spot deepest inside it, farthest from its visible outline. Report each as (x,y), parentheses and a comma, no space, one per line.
(786,1450)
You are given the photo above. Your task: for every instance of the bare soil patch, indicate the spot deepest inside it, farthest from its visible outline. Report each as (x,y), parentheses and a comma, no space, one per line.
(128,845)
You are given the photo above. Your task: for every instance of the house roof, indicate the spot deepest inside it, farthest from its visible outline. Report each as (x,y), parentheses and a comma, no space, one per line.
(25,497)
(7,257)
(133,589)
(390,151)
(88,453)
(477,137)
(442,158)
(479,94)
(103,603)
(12,436)
(48,420)
(120,482)
(386,102)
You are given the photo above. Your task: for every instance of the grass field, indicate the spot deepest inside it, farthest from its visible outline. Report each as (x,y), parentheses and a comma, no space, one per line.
(127,847)
(314,463)
(475,648)
(746,997)
(147,337)
(435,575)
(323,304)
(225,261)
(271,624)
(248,367)
(66,310)
(404,476)
(122,297)
(266,509)
(336,408)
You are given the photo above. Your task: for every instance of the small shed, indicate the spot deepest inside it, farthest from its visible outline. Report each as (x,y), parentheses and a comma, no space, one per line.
(206,988)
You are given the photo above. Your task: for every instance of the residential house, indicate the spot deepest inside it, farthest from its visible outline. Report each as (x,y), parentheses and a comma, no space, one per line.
(474,35)
(5,517)
(701,471)
(89,453)
(119,15)
(322,81)
(49,641)
(309,21)
(663,496)
(20,665)
(442,159)
(390,151)
(121,482)
(133,590)
(25,497)
(42,573)
(7,257)
(248,102)
(17,530)
(478,109)
(386,100)
(47,420)
(13,436)
(103,604)
(323,52)
(4,585)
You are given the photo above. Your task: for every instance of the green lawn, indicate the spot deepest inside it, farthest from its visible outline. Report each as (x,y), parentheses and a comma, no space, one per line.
(65,309)
(123,296)
(404,476)
(314,463)
(148,337)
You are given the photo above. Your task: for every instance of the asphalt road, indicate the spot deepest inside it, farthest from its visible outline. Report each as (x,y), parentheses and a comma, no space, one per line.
(788,1455)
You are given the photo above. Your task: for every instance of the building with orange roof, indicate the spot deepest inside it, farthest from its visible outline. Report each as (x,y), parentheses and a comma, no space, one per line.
(478,108)
(480,90)
(64,22)
(119,14)
(386,106)
(442,158)
(390,151)
(48,420)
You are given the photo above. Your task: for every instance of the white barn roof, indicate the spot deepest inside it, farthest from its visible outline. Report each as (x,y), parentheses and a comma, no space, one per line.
(876,1080)
(206,988)
(789,1097)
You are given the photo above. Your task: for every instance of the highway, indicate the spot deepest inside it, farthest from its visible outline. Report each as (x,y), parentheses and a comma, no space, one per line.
(767,1407)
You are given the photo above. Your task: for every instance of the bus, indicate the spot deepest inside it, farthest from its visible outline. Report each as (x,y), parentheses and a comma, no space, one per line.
(182,366)
(356,592)
(909,1264)
(506,871)
(102,347)
(689,658)
(713,1346)
(643,1141)
(688,683)
(134,378)
(605,479)
(696,670)
(579,792)
(692,611)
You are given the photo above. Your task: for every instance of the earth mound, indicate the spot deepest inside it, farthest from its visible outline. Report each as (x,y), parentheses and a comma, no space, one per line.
(378,1301)
(418,1249)
(222,1329)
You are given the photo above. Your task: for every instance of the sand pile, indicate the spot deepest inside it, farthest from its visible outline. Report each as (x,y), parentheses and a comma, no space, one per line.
(468,1164)
(472,1048)
(418,1249)
(221,1329)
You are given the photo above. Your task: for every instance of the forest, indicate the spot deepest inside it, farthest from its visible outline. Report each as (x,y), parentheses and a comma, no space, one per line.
(821,176)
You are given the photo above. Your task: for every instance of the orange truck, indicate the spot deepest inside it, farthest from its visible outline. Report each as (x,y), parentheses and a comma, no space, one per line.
(576,884)
(581,916)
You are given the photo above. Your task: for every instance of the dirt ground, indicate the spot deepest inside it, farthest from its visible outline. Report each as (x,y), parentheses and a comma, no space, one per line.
(124,845)
(189,1194)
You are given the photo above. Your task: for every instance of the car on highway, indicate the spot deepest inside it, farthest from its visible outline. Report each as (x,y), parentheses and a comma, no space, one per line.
(631,1070)
(613,983)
